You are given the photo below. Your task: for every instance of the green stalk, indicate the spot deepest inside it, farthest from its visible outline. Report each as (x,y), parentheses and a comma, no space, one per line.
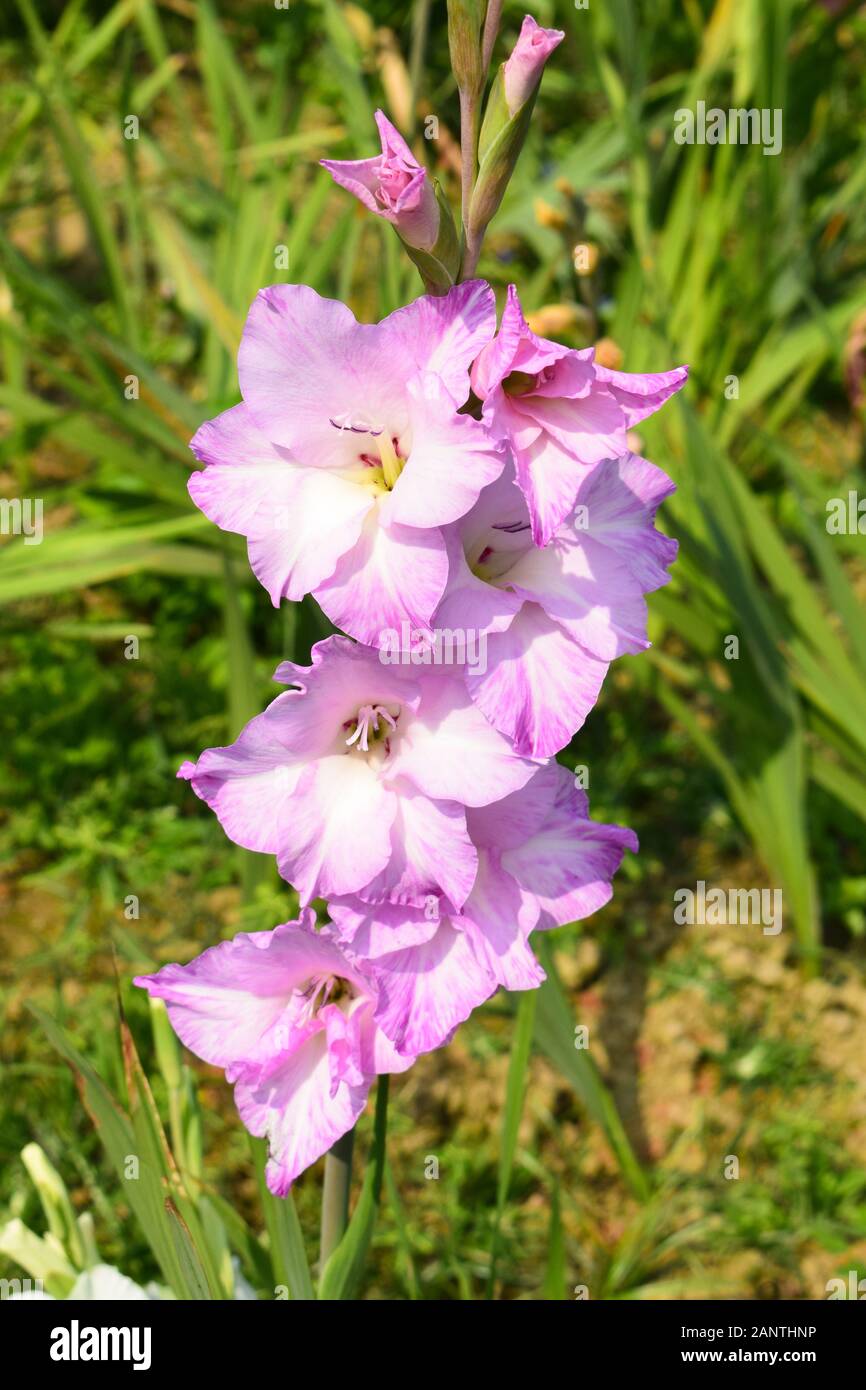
(491,30)
(515,1092)
(420,24)
(469,127)
(335,1195)
(464,43)
(342,1268)
(380,1129)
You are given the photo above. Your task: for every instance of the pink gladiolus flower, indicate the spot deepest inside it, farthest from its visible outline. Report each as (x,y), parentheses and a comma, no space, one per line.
(347,455)
(559,411)
(291,1021)
(523,69)
(358,779)
(556,616)
(394,185)
(542,863)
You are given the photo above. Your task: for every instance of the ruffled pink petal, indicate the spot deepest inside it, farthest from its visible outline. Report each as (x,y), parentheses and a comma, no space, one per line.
(343,675)
(640,394)
(339,836)
(344,1041)
(540,684)
(431,853)
(427,990)
(569,862)
(452,458)
(244,471)
(298,521)
(573,378)
(380,1054)
(450,752)
(588,590)
(621,498)
(515,348)
(319,518)
(230,1005)
(506,824)
(296,1110)
(249,785)
(393,144)
(370,930)
(307,368)
(497,919)
(392,575)
(548,475)
(557,440)
(469,604)
(443,334)
(359,177)
(590,428)
(494,361)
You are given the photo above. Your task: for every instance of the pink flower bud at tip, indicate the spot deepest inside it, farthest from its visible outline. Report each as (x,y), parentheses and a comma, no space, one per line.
(525,66)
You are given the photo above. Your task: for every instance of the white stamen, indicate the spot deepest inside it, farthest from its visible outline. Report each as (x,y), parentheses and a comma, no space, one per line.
(369,716)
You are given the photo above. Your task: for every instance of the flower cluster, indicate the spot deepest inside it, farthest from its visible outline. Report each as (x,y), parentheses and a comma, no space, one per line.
(431,473)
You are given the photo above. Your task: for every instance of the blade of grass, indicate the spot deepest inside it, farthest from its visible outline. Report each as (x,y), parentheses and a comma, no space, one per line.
(554,1031)
(515,1092)
(286,1241)
(553,1288)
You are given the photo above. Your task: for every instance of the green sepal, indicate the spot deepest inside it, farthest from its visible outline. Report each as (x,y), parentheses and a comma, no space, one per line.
(440,266)
(501,153)
(496,114)
(465,18)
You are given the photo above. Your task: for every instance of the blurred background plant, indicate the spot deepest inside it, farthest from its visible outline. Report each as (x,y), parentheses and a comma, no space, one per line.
(158,164)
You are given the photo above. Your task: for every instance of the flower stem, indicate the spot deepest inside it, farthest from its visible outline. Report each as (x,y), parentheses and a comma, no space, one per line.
(491,29)
(335,1195)
(469,124)
(471,253)
(380,1129)
(420,24)
(468,145)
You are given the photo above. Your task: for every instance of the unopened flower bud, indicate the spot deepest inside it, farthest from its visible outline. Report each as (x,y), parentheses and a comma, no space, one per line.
(522,72)
(394,186)
(506,119)
(465,18)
